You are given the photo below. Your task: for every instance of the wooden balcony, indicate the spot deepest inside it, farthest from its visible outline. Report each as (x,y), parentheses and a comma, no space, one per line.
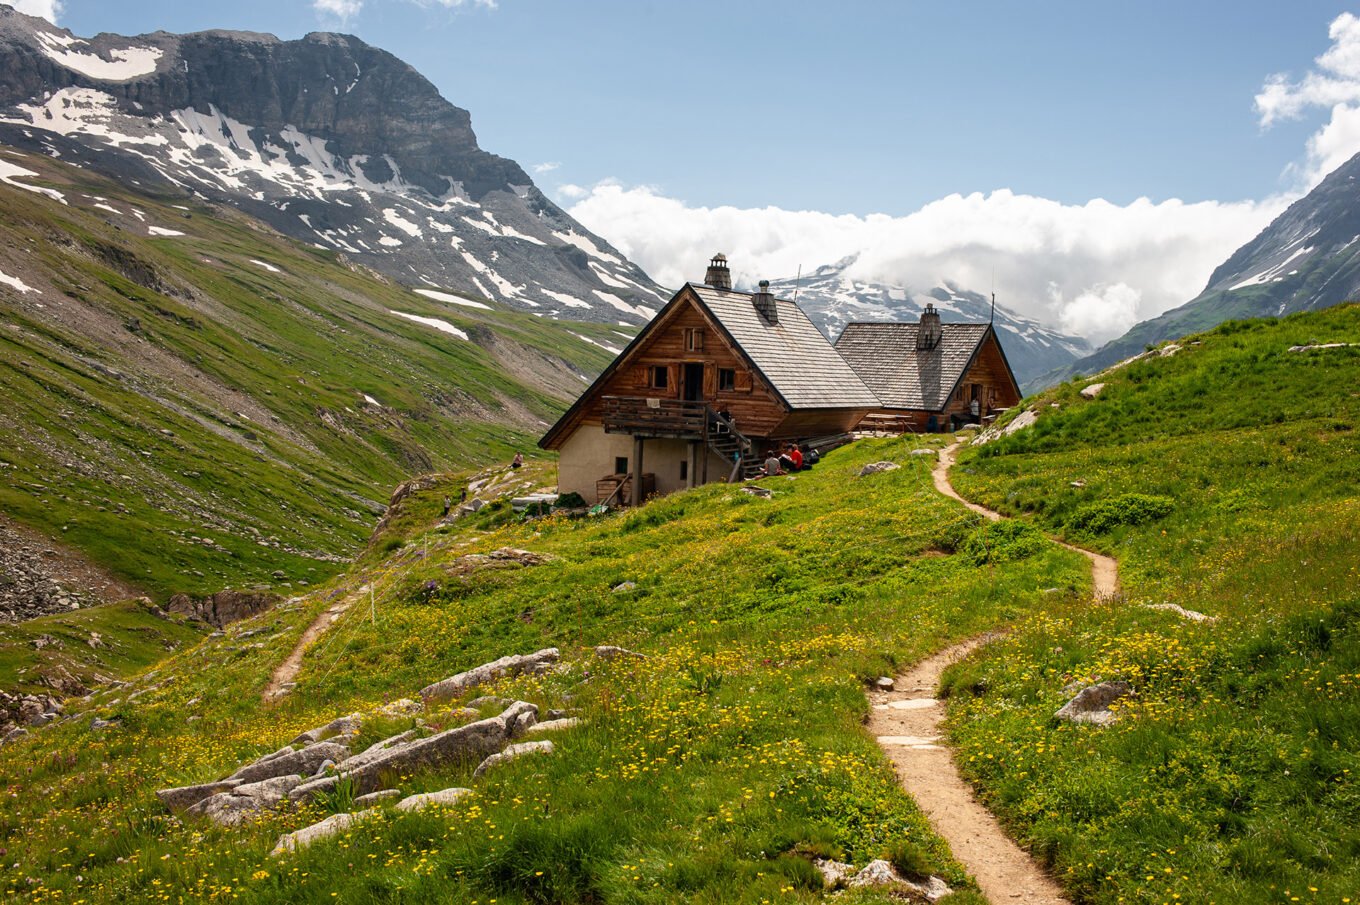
(644,417)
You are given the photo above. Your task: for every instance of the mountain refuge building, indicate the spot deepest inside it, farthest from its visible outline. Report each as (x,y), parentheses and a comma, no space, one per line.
(713,381)
(930,376)
(719,377)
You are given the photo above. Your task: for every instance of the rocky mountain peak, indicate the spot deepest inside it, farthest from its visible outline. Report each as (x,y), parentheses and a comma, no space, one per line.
(327,138)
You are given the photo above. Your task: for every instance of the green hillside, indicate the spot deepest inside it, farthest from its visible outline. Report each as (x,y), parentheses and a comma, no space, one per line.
(713,770)
(205,409)
(1234,776)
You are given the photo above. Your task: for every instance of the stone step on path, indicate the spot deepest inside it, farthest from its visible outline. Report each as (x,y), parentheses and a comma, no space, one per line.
(907,725)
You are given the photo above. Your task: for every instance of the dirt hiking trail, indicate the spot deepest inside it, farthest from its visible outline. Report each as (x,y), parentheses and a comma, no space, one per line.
(906,723)
(287,670)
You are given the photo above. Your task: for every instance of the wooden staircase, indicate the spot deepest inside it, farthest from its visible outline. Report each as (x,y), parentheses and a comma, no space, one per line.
(734,448)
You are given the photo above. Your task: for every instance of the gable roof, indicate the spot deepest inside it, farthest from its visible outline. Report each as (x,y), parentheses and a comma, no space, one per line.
(792,355)
(886,357)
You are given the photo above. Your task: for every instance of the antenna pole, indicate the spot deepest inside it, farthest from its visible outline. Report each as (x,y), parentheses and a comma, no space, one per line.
(992,320)
(796,283)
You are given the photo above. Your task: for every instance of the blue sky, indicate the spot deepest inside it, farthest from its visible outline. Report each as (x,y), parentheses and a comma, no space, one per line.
(848,108)
(1093,161)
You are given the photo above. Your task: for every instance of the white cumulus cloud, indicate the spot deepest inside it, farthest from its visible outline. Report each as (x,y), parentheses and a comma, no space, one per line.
(47,9)
(1333,84)
(1093,269)
(546,166)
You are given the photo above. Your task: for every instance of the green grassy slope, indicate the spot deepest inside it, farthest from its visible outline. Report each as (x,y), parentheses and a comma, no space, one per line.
(709,772)
(190,410)
(1233,775)
(93,645)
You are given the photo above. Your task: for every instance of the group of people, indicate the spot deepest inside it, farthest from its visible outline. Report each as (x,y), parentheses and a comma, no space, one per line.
(788,459)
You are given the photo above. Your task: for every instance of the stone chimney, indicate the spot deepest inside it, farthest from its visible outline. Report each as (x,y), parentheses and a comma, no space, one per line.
(929,333)
(718,276)
(763,299)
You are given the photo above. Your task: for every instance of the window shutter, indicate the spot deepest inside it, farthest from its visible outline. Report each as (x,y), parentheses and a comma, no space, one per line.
(642,377)
(673,384)
(743,382)
(710,380)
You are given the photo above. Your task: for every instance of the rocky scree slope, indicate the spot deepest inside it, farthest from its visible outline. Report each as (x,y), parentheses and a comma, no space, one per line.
(1308,258)
(195,402)
(329,140)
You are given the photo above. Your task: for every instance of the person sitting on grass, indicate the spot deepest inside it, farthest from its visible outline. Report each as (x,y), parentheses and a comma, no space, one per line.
(772,465)
(795,456)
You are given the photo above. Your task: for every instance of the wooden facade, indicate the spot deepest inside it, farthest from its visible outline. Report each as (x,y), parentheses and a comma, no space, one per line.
(703,391)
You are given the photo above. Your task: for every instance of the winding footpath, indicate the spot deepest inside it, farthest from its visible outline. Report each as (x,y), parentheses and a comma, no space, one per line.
(906,723)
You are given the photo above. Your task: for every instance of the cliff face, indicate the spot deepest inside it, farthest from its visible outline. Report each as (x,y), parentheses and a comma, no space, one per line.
(328,139)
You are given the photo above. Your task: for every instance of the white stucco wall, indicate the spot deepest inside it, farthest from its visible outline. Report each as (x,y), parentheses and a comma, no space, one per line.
(589,453)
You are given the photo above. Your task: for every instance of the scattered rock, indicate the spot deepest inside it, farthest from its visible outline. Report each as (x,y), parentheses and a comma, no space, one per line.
(878,468)
(234,805)
(883,874)
(345,725)
(1312,347)
(512,753)
(1021,421)
(178,799)
(834,873)
(513,665)
(1168,350)
(923,452)
(624,586)
(556,725)
(490,700)
(1181,611)
(332,825)
(1092,390)
(402,707)
(1077,483)
(425,800)
(475,741)
(884,683)
(224,607)
(1092,704)
(754,490)
(610,652)
(373,799)
(281,763)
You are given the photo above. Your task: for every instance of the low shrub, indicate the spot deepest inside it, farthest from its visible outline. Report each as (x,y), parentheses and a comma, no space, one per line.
(1005,541)
(1104,516)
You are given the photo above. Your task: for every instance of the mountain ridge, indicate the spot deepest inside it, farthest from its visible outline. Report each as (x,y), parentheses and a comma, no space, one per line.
(327,138)
(1306,259)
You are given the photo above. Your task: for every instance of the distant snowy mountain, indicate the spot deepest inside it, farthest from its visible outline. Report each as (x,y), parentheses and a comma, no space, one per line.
(1308,258)
(832,299)
(328,140)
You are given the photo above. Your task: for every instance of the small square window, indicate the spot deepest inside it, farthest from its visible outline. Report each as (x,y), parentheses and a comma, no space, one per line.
(660,377)
(694,339)
(620,465)
(727,379)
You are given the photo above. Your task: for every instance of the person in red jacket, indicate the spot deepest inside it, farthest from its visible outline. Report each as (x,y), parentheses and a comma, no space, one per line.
(796,456)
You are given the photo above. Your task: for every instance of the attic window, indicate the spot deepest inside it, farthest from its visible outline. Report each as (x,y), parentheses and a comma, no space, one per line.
(694,339)
(660,377)
(727,379)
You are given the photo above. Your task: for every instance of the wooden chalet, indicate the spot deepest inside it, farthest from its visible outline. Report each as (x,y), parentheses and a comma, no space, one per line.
(701,394)
(930,375)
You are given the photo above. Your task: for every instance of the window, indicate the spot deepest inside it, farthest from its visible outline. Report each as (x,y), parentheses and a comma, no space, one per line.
(620,465)
(694,339)
(660,376)
(727,379)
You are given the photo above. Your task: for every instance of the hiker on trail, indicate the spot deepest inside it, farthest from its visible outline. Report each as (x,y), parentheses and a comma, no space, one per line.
(772,465)
(517,461)
(448,504)
(462,497)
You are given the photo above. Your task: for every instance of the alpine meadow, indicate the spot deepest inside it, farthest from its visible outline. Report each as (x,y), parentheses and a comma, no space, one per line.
(378,526)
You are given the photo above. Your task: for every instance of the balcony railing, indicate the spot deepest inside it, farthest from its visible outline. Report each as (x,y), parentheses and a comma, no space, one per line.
(653,417)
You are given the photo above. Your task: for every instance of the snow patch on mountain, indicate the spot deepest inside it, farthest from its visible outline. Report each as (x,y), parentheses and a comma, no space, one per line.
(442,326)
(125,63)
(451,299)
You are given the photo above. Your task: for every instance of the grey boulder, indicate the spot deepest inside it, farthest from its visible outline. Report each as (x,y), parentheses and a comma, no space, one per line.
(304,762)
(513,753)
(234,805)
(1092,705)
(534,664)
